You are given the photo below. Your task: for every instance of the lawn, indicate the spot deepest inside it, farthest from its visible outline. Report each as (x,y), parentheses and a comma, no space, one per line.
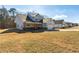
(41,42)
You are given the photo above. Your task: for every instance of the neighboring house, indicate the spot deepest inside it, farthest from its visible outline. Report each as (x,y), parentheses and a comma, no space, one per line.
(31,20)
(59,23)
(35,17)
(69,24)
(48,23)
(75,24)
(52,24)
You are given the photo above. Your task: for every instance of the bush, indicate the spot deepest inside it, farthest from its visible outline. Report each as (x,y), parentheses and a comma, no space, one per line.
(45,28)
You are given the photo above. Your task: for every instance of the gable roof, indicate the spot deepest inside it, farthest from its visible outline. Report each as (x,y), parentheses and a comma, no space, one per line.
(59,21)
(47,20)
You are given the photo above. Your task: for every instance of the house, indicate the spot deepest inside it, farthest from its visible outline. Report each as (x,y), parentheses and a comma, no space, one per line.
(69,24)
(59,23)
(31,20)
(35,17)
(75,24)
(52,24)
(48,23)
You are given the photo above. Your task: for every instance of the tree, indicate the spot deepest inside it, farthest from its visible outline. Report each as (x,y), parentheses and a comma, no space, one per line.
(12,11)
(4,12)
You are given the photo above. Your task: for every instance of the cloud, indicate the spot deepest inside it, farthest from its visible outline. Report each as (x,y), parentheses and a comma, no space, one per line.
(25,10)
(60,16)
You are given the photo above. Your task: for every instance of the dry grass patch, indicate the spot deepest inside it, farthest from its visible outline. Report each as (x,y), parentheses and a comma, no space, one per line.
(52,41)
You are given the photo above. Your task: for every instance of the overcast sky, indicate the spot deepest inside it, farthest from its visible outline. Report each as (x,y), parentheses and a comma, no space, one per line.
(67,12)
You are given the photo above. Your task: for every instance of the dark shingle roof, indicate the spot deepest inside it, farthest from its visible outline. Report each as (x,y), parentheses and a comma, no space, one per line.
(58,21)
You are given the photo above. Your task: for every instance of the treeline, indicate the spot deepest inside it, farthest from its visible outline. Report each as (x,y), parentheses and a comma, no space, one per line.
(7,17)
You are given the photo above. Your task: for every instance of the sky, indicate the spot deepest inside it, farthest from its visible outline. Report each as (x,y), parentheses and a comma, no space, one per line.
(70,13)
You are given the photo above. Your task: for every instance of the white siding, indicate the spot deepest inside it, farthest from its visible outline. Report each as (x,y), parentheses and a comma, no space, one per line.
(49,23)
(19,20)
